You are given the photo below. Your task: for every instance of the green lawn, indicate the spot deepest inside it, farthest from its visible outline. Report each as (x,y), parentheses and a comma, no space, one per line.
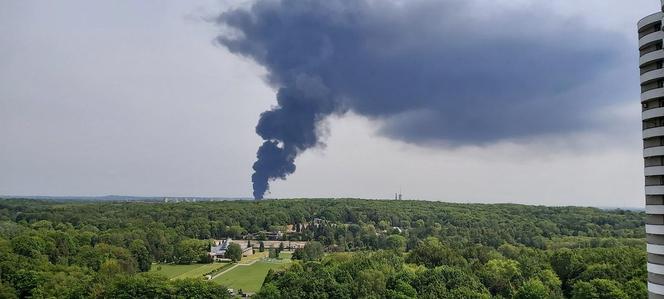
(185,271)
(250,278)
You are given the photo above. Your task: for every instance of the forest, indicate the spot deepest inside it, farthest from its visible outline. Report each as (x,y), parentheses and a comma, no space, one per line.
(357,249)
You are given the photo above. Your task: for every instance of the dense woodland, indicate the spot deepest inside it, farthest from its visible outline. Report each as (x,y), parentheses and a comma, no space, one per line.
(374,249)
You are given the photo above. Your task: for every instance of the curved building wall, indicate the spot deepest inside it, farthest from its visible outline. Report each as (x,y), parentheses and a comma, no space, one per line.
(651,66)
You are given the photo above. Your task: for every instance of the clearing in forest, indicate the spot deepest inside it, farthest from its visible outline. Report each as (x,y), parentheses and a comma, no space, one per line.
(185,271)
(250,277)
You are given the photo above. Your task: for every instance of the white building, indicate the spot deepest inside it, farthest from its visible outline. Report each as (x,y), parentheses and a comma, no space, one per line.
(651,63)
(218,250)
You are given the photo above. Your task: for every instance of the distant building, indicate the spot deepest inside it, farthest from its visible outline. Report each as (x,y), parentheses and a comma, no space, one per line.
(179,199)
(276,235)
(651,65)
(318,222)
(218,250)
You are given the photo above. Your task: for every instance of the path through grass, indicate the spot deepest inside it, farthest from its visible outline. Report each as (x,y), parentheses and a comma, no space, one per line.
(185,271)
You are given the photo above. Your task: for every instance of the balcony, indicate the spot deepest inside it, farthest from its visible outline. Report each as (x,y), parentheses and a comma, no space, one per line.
(656,249)
(652,94)
(652,113)
(652,75)
(655,190)
(655,229)
(653,132)
(650,57)
(655,288)
(650,38)
(654,170)
(653,151)
(655,210)
(651,19)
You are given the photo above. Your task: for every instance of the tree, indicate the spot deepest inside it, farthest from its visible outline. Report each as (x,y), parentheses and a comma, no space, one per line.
(370,284)
(268,291)
(234,252)
(198,289)
(608,289)
(83,250)
(401,289)
(312,251)
(25,281)
(635,288)
(141,254)
(439,281)
(597,288)
(144,285)
(123,256)
(71,283)
(551,281)
(396,242)
(298,254)
(431,253)
(28,246)
(236,231)
(568,265)
(261,246)
(110,268)
(584,290)
(383,225)
(604,270)
(261,236)
(501,276)
(280,249)
(532,289)
(7,291)
(189,251)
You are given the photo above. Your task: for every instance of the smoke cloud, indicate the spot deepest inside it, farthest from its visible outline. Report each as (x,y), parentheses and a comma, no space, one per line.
(432,72)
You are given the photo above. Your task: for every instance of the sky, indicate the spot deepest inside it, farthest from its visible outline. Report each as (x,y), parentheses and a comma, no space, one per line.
(161,98)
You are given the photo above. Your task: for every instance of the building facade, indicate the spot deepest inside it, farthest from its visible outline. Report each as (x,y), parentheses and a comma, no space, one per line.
(219,247)
(651,62)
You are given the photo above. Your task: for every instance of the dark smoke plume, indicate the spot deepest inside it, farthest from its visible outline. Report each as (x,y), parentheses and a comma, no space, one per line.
(288,130)
(433,71)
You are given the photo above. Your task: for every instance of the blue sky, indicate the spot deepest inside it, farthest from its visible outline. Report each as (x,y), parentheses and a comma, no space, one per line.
(137,98)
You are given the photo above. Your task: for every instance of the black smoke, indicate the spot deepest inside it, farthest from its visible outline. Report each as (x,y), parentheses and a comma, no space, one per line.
(288,130)
(433,71)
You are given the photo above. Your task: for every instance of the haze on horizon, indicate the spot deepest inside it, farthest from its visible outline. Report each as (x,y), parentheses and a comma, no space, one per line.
(136,98)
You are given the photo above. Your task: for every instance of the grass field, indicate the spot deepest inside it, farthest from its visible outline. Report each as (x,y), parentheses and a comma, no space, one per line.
(185,271)
(250,278)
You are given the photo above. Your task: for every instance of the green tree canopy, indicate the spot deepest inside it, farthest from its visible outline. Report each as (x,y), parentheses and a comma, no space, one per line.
(234,252)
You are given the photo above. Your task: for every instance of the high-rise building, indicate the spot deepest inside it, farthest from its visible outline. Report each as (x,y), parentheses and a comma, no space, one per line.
(652,100)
